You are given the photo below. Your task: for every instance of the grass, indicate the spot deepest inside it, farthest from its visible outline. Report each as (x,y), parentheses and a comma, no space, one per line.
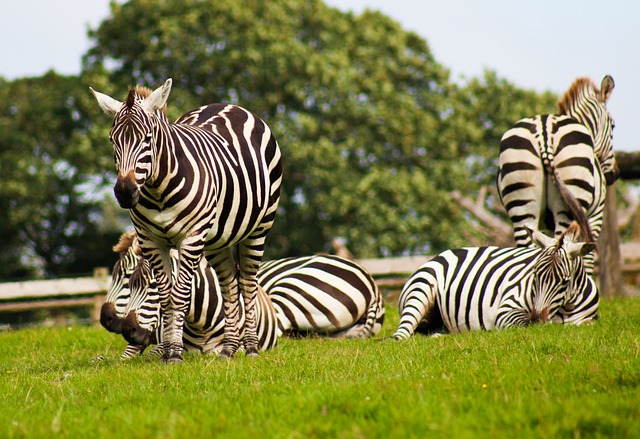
(542,381)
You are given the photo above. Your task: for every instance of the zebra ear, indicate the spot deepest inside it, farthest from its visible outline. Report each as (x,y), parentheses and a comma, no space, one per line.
(606,88)
(157,99)
(576,249)
(107,103)
(539,239)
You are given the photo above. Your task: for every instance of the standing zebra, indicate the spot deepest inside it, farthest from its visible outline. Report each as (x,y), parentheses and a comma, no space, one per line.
(478,288)
(207,183)
(553,167)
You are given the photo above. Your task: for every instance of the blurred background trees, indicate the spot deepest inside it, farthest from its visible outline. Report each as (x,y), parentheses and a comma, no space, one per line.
(374,133)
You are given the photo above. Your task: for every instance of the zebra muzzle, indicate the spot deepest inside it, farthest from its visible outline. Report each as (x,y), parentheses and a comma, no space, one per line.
(126,190)
(109,318)
(539,317)
(133,332)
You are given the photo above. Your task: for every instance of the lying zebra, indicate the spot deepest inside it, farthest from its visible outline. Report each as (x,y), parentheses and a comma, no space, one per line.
(478,288)
(323,295)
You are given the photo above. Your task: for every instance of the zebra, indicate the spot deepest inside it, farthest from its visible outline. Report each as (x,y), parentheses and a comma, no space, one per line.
(476,288)
(204,319)
(205,185)
(554,168)
(113,309)
(323,295)
(320,295)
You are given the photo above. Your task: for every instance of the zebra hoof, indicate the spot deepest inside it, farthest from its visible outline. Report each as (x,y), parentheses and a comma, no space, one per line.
(171,359)
(225,354)
(253,352)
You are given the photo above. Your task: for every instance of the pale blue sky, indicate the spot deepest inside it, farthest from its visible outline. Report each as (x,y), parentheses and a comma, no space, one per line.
(543,45)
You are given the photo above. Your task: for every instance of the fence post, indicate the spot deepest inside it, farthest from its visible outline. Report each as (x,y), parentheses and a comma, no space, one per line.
(102,274)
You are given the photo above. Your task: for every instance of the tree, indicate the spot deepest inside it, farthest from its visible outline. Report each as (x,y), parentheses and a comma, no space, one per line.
(47,222)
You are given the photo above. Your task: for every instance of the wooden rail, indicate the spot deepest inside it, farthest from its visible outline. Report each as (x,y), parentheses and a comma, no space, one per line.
(390,275)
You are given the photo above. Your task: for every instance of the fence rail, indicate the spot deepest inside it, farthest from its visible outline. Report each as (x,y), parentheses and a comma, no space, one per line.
(390,275)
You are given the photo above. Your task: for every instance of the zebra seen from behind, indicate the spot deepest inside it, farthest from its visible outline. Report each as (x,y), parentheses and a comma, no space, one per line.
(477,288)
(206,184)
(554,168)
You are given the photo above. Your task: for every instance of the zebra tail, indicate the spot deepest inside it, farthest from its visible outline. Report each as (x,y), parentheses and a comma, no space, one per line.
(570,201)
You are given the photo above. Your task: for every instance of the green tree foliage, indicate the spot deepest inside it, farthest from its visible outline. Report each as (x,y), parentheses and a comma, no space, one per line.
(47,221)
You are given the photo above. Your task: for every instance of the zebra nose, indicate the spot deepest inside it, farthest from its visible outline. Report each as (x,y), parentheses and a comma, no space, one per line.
(539,317)
(133,332)
(109,318)
(126,190)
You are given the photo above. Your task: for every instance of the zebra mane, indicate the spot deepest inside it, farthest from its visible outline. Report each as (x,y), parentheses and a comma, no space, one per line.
(140,92)
(125,242)
(581,88)
(573,232)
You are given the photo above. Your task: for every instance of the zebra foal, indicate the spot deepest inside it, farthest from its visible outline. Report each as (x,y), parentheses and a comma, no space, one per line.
(554,168)
(203,185)
(477,288)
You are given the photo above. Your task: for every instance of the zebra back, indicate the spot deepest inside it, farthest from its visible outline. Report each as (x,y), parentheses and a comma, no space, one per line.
(323,294)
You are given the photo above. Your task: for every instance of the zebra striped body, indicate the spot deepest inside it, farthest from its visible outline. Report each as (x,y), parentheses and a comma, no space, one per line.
(323,294)
(203,185)
(554,168)
(477,288)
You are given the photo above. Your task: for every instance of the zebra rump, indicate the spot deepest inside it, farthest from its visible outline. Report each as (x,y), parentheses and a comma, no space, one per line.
(478,288)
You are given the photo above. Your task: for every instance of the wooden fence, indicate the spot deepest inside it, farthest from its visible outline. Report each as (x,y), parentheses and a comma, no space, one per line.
(390,275)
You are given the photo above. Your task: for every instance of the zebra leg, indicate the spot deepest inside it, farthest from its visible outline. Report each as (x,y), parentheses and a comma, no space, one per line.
(417,301)
(227,272)
(132,351)
(190,255)
(250,256)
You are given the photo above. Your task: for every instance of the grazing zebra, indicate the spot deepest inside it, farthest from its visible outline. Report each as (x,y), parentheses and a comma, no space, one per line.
(204,319)
(323,294)
(478,288)
(553,167)
(113,309)
(204,185)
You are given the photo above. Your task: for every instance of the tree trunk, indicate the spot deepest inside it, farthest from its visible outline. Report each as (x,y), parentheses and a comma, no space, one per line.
(610,266)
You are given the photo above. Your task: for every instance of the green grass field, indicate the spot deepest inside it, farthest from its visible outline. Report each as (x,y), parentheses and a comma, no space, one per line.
(542,381)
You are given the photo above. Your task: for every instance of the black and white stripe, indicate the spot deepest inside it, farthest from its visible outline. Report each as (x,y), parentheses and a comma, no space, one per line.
(324,295)
(477,288)
(554,167)
(207,183)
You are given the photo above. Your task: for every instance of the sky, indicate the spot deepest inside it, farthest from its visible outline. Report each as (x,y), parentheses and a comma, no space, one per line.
(541,45)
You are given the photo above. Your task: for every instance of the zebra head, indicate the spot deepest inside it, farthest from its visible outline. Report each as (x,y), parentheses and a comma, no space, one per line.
(112,311)
(142,315)
(556,272)
(133,134)
(585,103)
